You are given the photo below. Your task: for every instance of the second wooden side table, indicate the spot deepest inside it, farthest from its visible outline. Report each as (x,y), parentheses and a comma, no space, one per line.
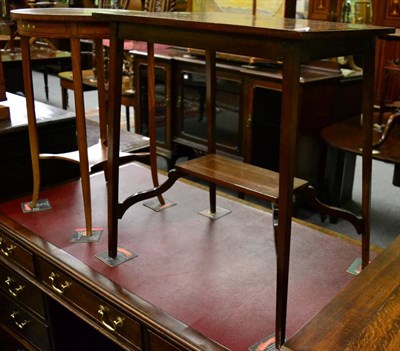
(73,24)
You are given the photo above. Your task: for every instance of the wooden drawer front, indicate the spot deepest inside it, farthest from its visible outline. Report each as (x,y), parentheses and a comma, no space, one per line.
(16,254)
(19,289)
(12,342)
(116,323)
(24,323)
(156,342)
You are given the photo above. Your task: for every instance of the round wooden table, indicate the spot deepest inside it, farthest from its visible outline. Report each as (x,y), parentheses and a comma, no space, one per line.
(73,24)
(347,136)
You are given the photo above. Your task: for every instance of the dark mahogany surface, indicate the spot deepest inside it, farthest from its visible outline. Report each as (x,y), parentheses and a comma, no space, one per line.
(230,22)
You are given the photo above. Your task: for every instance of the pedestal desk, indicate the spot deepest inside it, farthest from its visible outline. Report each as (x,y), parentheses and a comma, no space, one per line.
(290,41)
(193,286)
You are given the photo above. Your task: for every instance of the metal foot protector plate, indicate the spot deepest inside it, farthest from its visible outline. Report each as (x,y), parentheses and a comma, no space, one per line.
(155,205)
(356,267)
(123,255)
(267,344)
(220,212)
(41,205)
(80,235)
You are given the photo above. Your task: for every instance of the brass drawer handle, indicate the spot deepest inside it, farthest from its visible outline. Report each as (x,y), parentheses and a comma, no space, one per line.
(118,323)
(59,288)
(20,325)
(13,290)
(6,251)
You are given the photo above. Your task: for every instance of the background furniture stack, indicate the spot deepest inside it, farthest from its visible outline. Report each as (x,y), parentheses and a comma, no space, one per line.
(384,13)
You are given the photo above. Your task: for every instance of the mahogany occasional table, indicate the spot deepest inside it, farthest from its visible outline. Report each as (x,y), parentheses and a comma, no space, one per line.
(290,41)
(73,24)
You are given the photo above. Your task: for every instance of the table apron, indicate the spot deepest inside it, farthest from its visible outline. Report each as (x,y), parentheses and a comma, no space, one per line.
(60,30)
(264,47)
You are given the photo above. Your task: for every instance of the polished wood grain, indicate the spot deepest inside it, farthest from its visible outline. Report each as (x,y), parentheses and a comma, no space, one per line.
(239,176)
(364,316)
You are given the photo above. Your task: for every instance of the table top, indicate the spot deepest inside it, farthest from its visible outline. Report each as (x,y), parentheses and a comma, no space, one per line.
(64,14)
(227,32)
(285,28)
(347,135)
(258,36)
(258,24)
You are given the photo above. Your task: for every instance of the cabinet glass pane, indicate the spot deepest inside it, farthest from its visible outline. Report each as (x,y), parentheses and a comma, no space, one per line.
(266,128)
(161,105)
(194,109)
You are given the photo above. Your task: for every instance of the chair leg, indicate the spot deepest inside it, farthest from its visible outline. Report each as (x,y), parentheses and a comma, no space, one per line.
(275,224)
(128,126)
(46,82)
(396,175)
(64,98)
(213,198)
